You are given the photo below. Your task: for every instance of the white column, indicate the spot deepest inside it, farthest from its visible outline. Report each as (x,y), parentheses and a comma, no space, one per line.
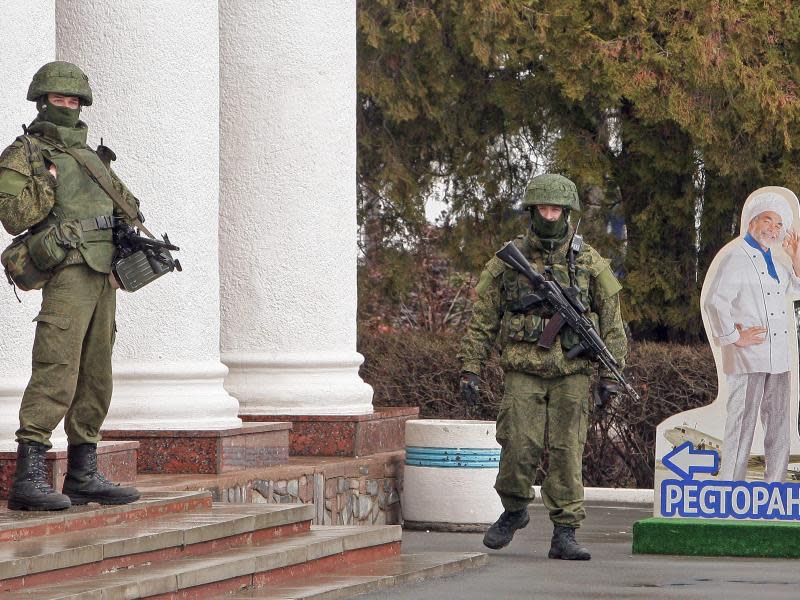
(153,67)
(28,41)
(288,206)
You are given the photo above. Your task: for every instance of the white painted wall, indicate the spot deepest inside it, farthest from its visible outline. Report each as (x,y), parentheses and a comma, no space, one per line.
(287,124)
(28,42)
(288,206)
(153,67)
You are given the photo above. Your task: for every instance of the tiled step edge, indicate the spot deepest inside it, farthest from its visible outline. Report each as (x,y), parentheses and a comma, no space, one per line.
(372,577)
(19,525)
(321,549)
(170,537)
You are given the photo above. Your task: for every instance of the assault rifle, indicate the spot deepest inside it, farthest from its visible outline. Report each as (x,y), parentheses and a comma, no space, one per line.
(141,260)
(567,309)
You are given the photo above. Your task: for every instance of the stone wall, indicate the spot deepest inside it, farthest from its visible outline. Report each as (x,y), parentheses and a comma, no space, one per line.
(344,491)
(345,500)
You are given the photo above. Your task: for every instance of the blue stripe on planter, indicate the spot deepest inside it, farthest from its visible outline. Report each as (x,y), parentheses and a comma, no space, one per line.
(462,458)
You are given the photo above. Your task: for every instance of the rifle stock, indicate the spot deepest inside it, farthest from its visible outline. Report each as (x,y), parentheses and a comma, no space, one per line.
(512,256)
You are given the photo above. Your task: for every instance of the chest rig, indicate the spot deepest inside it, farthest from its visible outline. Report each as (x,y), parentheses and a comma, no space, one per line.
(525,315)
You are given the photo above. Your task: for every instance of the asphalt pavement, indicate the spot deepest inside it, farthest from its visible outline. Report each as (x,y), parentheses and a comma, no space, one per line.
(522,569)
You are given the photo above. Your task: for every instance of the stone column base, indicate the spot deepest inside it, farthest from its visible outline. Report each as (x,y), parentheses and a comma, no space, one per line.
(297,384)
(345,435)
(115,460)
(208,450)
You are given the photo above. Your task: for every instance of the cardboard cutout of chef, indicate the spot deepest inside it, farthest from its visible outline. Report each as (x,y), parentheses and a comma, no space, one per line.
(734,457)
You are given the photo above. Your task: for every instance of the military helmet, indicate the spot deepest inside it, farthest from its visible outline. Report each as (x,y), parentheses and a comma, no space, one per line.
(63,78)
(552,189)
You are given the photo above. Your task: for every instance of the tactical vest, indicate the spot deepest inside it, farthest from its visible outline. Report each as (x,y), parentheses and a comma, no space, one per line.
(78,196)
(527,326)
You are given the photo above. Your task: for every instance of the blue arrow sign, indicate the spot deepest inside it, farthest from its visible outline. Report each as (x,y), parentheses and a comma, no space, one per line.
(686,461)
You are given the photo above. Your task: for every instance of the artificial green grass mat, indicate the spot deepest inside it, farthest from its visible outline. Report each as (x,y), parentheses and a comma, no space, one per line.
(717,537)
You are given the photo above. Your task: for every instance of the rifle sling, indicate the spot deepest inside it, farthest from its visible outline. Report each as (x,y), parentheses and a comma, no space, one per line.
(550,332)
(104,182)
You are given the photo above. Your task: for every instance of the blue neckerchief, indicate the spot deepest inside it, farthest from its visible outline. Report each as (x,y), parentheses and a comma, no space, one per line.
(767,256)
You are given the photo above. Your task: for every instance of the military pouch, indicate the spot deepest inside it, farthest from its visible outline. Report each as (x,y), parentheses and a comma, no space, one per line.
(48,247)
(20,269)
(523,328)
(570,339)
(44,249)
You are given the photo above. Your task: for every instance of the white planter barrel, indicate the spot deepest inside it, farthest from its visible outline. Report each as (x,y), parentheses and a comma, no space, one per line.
(448,480)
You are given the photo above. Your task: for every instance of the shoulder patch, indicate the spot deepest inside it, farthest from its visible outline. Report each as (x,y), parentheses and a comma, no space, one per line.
(495,266)
(493,269)
(12,182)
(608,283)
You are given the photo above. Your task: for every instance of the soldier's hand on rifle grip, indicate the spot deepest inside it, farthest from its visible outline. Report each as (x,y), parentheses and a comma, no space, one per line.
(604,391)
(470,391)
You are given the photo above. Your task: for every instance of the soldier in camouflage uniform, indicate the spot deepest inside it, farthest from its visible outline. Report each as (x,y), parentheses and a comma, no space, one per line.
(45,189)
(543,389)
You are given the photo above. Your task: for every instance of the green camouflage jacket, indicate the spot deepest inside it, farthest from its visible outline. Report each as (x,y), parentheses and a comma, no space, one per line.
(495,322)
(29,194)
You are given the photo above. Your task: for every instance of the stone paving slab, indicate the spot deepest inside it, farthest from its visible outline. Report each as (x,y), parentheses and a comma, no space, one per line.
(370,577)
(19,525)
(522,571)
(72,549)
(327,588)
(179,574)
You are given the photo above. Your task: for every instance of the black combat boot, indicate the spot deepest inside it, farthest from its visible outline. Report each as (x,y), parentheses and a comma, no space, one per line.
(564,545)
(84,484)
(30,490)
(502,531)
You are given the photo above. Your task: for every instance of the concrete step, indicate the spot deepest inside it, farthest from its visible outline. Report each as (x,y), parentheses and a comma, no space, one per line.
(21,525)
(33,562)
(262,563)
(369,577)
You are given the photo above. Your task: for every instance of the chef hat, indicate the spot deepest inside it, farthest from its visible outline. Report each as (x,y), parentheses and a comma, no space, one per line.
(768,201)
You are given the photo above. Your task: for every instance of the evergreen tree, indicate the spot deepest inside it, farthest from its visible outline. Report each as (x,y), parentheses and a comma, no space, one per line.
(667,113)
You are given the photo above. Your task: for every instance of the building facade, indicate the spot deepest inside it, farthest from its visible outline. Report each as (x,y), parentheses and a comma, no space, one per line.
(234,123)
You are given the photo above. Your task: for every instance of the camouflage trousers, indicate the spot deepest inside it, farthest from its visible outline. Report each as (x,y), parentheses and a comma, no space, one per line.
(533,408)
(71,375)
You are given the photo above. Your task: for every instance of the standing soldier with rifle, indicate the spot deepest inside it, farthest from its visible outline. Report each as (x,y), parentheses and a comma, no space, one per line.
(69,200)
(551,324)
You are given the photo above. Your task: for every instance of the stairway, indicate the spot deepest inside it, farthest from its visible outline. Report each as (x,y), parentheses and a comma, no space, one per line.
(181,545)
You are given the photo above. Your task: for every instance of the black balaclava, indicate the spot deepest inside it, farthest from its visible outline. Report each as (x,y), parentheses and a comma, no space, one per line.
(57,115)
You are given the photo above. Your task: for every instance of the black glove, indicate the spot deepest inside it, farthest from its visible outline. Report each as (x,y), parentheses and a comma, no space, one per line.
(470,391)
(605,390)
